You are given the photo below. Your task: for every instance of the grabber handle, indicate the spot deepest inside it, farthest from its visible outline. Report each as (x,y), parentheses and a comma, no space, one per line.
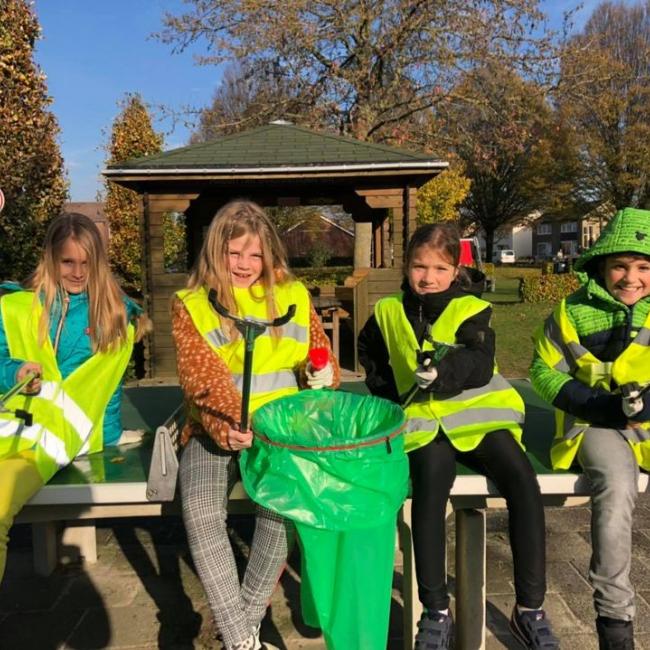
(319,358)
(16,388)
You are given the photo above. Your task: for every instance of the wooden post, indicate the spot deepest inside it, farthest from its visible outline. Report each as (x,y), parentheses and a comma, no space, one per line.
(362,244)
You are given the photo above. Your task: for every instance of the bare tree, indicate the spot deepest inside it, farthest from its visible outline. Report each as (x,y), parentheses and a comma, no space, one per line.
(370,65)
(250,96)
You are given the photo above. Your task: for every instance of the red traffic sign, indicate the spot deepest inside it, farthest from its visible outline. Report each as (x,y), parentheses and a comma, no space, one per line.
(2,200)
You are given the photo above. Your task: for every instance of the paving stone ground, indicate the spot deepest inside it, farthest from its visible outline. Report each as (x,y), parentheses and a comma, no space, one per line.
(143,593)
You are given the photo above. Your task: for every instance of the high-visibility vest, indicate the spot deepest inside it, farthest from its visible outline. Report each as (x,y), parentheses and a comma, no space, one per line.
(558,345)
(464,417)
(68,414)
(276,354)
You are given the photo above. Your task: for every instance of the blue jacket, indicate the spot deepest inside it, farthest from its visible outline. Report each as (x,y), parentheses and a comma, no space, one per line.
(74,348)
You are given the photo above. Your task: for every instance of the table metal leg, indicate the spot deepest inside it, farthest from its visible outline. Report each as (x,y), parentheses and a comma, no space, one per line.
(470,579)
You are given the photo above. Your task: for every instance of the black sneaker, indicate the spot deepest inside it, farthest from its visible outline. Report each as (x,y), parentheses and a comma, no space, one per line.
(532,629)
(614,634)
(435,631)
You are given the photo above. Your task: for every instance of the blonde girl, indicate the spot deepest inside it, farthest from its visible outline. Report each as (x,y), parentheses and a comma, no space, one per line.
(68,326)
(243,260)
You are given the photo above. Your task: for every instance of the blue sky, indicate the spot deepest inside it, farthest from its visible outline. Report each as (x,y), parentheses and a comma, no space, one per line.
(95,51)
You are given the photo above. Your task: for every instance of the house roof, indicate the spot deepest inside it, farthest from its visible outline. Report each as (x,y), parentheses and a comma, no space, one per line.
(322,217)
(92,209)
(277,148)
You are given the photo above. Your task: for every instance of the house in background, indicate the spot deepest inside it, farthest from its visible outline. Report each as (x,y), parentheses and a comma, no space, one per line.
(570,236)
(319,239)
(93,210)
(518,238)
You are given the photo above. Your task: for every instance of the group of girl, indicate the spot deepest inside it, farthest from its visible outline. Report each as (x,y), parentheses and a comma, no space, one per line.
(67,332)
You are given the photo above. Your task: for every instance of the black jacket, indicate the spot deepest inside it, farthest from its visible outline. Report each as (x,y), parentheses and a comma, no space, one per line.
(468,367)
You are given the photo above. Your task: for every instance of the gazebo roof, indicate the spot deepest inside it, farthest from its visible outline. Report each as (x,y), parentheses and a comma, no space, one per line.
(277,148)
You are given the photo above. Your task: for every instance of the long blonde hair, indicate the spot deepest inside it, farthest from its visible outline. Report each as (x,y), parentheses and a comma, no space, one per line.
(212,271)
(106,310)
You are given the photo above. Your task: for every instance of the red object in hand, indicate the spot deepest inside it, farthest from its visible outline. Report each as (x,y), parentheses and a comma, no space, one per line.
(319,358)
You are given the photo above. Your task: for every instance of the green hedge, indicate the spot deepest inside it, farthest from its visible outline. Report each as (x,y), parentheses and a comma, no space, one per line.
(315,277)
(548,288)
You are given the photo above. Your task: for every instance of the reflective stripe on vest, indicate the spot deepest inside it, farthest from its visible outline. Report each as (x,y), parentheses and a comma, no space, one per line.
(269,382)
(276,356)
(218,337)
(68,413)
(50,442)
(633,364)
(465,417)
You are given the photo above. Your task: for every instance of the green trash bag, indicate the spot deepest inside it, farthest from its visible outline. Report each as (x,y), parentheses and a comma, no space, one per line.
(334,463)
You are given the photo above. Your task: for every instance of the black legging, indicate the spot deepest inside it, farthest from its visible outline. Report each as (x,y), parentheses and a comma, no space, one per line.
(499,457)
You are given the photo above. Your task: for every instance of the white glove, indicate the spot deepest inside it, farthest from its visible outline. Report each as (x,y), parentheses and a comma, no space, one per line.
(425,375)
(319,378)
(632,404)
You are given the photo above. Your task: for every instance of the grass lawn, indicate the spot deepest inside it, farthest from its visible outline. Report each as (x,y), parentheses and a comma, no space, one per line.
(514,321)
(514,325)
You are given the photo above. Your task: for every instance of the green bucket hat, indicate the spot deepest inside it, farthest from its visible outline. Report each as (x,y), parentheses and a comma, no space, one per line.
(627,232)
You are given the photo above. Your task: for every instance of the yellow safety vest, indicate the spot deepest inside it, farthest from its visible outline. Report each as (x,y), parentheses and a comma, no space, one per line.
(465,417)
(276,357)
(68,414)
(558,345)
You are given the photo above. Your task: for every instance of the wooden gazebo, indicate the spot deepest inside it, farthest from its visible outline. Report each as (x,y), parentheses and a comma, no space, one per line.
(278,164)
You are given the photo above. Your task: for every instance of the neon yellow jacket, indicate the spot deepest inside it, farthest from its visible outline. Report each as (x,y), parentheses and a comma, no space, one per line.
(67,413)
(558,345)
(276,358)
(465,417)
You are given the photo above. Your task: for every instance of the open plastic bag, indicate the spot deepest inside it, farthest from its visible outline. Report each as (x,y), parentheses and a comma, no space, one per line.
(334,463)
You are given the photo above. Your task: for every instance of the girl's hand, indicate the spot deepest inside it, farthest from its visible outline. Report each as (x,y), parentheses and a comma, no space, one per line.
(321,377)
(239,440)
(34,386)
(425,374)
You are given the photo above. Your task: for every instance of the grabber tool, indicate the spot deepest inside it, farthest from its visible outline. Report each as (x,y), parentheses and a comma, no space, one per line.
(319,358)
(425,361)
(250,329)
(21,414)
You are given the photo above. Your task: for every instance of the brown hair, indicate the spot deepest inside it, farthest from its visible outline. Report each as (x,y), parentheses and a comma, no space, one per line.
(443,238)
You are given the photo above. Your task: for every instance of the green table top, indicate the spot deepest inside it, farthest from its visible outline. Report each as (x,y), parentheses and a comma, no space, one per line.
(147,407)
(143,407)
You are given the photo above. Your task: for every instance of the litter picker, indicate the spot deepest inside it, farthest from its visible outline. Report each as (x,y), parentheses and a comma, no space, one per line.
(26,416)
(250,329)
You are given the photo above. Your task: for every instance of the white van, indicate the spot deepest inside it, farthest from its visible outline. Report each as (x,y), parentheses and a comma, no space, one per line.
(504,256)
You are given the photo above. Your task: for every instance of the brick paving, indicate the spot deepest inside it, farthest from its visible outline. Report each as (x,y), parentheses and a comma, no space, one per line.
(143,592)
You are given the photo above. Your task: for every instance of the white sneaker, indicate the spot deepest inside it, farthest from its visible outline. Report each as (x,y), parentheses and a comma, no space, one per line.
(262,645)
(251,643)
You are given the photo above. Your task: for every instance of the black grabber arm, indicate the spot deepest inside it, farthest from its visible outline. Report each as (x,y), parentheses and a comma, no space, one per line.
(250,329)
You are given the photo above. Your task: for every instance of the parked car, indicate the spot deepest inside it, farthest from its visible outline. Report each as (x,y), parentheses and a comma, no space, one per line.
(504,256)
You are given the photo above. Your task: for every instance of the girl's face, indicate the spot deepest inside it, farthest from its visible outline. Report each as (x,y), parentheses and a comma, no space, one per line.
(430,271)
(245,259)
(627,277)
(73,267)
